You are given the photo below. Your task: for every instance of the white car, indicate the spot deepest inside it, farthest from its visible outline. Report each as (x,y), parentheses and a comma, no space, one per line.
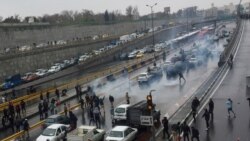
(54,132)
(133,54)
(41,72)
(54,69)
(61,42)
(122,133)
(42,45)
(120,112)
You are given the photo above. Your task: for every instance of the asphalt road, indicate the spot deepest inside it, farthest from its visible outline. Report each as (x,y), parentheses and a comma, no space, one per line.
(234,87)
(169,94)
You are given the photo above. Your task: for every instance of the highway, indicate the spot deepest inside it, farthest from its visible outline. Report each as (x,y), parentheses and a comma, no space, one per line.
(233,86)
(169,94)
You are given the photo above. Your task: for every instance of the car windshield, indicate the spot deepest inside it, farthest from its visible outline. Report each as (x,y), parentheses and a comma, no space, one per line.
(49,132)
(117,134)
(120,110)
(142,75)
(50,120)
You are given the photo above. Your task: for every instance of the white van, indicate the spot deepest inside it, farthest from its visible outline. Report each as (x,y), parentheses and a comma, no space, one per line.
(120,112)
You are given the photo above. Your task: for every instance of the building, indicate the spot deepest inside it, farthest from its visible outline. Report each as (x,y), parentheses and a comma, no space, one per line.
(190,11)
(167,10)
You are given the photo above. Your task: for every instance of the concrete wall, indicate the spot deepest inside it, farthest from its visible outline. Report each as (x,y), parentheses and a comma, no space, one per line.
(12,37)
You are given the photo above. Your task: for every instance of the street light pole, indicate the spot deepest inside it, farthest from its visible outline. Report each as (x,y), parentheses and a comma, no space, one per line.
(152,19)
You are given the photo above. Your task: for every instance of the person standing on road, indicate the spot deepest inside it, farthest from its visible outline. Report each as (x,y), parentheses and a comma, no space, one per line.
(11,110)
(47,95)
(229,104)
(195,134)
(65,110)
(12,124)
(23,107)
(127,98)
(18,110)
(73,119)
(87,100)
(40,109)
(194,106)
(181,77)
(101,101)
(165,127)
(26,127)
(18,123)
(111,100)
(4,122)
(206,116)
(45,108)
(96,112)
(57,94)
(81,101)
(186,131)
(211,108)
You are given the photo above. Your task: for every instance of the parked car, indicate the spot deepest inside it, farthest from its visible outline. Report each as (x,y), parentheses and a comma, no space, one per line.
(140,54)
(55,132)
(56,119)
(42,45)
(31,77)
(12,81)
(61,42)
(41,72)
(122,133)
(132,55)
(54,69)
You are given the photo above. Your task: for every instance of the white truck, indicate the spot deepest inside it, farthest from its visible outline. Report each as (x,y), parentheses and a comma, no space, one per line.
(83,133)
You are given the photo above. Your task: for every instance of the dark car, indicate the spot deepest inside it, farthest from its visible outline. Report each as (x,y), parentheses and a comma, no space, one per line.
(60,119)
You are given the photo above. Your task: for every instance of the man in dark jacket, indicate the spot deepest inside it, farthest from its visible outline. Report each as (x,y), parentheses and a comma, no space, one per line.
(73,119)
(186,131)
(40,110)
(165,126)
(206,116)
(111,100)
(194,106)
(23,106)
(26,127)
(211,108)
(195,134)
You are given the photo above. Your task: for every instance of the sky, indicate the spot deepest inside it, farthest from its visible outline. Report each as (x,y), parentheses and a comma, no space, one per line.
(40,7)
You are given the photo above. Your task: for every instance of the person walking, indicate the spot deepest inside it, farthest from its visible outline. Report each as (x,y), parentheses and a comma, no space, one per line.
(18,123)
(12,123)
(165,127)
(47,95)
(229,104)
(65,108)
(127,98)
(195,134)
(194,106)
(18,110)
(73,120)
(81,101)
(40,110)
(45,108)
(111,100)
(96,112)
(57,94)
(91,116)
(26,127)
(23,107)
(211,108)
(186,131)
(52,108)
(181,77)
(206,115)
(11,110)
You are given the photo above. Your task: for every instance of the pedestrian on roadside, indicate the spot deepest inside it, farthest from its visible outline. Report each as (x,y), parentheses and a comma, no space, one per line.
(26,127)
(65,110)
(195,134)
(111,100)
(18,110)
(12,124)
(5,113)
(4,122)
(52,108)
(165,127)
(127,98)
(211,108)
(181,76)
(206,115)
(174,132)
(77,91)
(87,98)
(91,116)
(23,107)
(101,101)
(96,112)
(41,96)
(47,95)
(229,104)
(11,110)
(194,106)
(81,101)
(45,108)
(57,94)
(73,120)
(186,131)
(18,123)
(40,110)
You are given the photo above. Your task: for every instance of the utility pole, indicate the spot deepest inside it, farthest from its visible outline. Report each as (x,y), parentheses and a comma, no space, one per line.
(150,107)
(152,19)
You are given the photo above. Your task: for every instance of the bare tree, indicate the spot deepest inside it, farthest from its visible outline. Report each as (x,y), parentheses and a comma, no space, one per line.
(129,12)
(135,13)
